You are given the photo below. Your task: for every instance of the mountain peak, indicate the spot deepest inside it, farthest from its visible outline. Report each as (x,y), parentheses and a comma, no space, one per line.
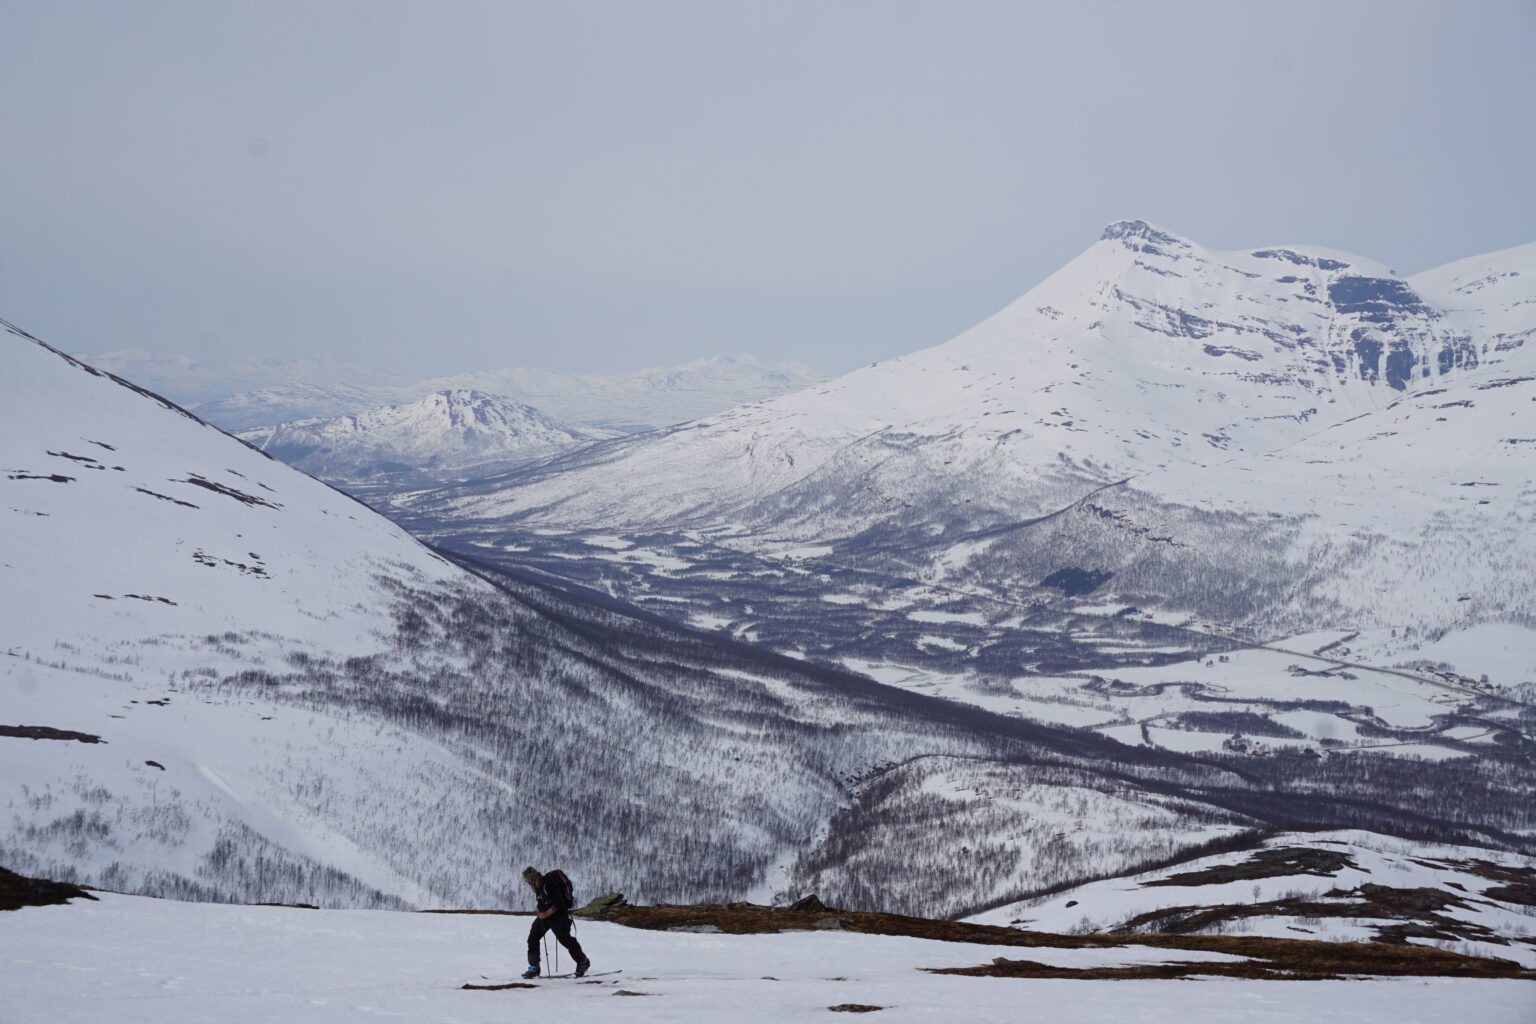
(1138,234)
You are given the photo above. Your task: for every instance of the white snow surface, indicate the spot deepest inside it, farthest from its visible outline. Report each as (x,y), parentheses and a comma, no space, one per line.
(120,554)
(1489,295)
(129,959)
(1379,860)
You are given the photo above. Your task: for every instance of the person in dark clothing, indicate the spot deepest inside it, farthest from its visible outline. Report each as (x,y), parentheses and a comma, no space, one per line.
(554,915)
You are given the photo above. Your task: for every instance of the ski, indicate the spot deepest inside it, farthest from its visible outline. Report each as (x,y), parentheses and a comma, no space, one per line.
(489,984)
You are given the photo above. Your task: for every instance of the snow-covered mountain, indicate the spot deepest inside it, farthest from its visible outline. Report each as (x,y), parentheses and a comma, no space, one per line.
(447,436)
(1272,438)
(628,402)
(1492,296)
(223,679)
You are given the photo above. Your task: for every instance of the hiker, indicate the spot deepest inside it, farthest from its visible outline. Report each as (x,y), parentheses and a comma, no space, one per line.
(553,891)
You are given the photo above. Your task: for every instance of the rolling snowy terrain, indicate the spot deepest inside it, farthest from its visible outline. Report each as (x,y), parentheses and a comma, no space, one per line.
(446,437)
(225,680)
(625,402)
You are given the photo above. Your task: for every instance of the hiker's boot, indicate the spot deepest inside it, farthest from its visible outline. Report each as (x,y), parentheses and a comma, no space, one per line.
(532,971)
(581,968)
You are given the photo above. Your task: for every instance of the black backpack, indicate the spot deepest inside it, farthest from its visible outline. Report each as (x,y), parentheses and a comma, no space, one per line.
(557,889)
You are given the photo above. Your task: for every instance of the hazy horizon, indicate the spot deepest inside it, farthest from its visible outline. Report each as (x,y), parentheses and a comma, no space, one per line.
(602,186)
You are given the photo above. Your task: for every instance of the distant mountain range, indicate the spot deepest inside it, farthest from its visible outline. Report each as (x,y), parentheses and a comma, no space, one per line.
(446,437)
(265,393)
(1280,439)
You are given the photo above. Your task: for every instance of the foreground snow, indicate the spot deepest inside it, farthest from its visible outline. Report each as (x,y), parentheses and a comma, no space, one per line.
(128,959)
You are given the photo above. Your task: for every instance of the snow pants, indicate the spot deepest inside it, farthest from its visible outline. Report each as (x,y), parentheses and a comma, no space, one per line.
(559,923)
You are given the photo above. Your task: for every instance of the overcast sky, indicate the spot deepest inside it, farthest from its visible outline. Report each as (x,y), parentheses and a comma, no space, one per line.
(434,187)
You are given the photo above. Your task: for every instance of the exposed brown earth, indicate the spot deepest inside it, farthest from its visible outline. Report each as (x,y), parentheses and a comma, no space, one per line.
(1294,860)
(17,891)
(1274,959)
(1267,957)
(1405,913)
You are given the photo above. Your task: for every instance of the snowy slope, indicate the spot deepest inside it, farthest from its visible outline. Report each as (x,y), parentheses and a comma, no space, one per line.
(447,436)
(627,402)
(1250,437)
(109,492)
(129,959)
(1303,882)
(1492,296)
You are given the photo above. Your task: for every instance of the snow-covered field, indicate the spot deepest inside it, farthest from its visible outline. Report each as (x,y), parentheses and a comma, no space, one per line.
(129,959)
(1356,859)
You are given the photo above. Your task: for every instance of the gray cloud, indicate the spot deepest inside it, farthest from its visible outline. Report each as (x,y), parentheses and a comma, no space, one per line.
(440,187)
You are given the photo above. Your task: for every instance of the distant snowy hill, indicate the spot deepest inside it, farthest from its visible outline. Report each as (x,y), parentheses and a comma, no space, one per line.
(1492,297)
(626,402)
(447,436)
(1275,439)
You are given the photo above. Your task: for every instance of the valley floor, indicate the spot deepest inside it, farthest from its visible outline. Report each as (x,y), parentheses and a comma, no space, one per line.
(128,959)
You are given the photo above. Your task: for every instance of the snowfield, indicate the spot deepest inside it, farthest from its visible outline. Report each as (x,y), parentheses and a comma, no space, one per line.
(129,959)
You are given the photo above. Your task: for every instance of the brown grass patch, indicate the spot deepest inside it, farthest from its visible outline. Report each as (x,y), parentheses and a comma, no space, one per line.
(1270,958)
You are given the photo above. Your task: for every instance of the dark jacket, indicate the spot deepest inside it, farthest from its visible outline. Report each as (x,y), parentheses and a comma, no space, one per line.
(545,902)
